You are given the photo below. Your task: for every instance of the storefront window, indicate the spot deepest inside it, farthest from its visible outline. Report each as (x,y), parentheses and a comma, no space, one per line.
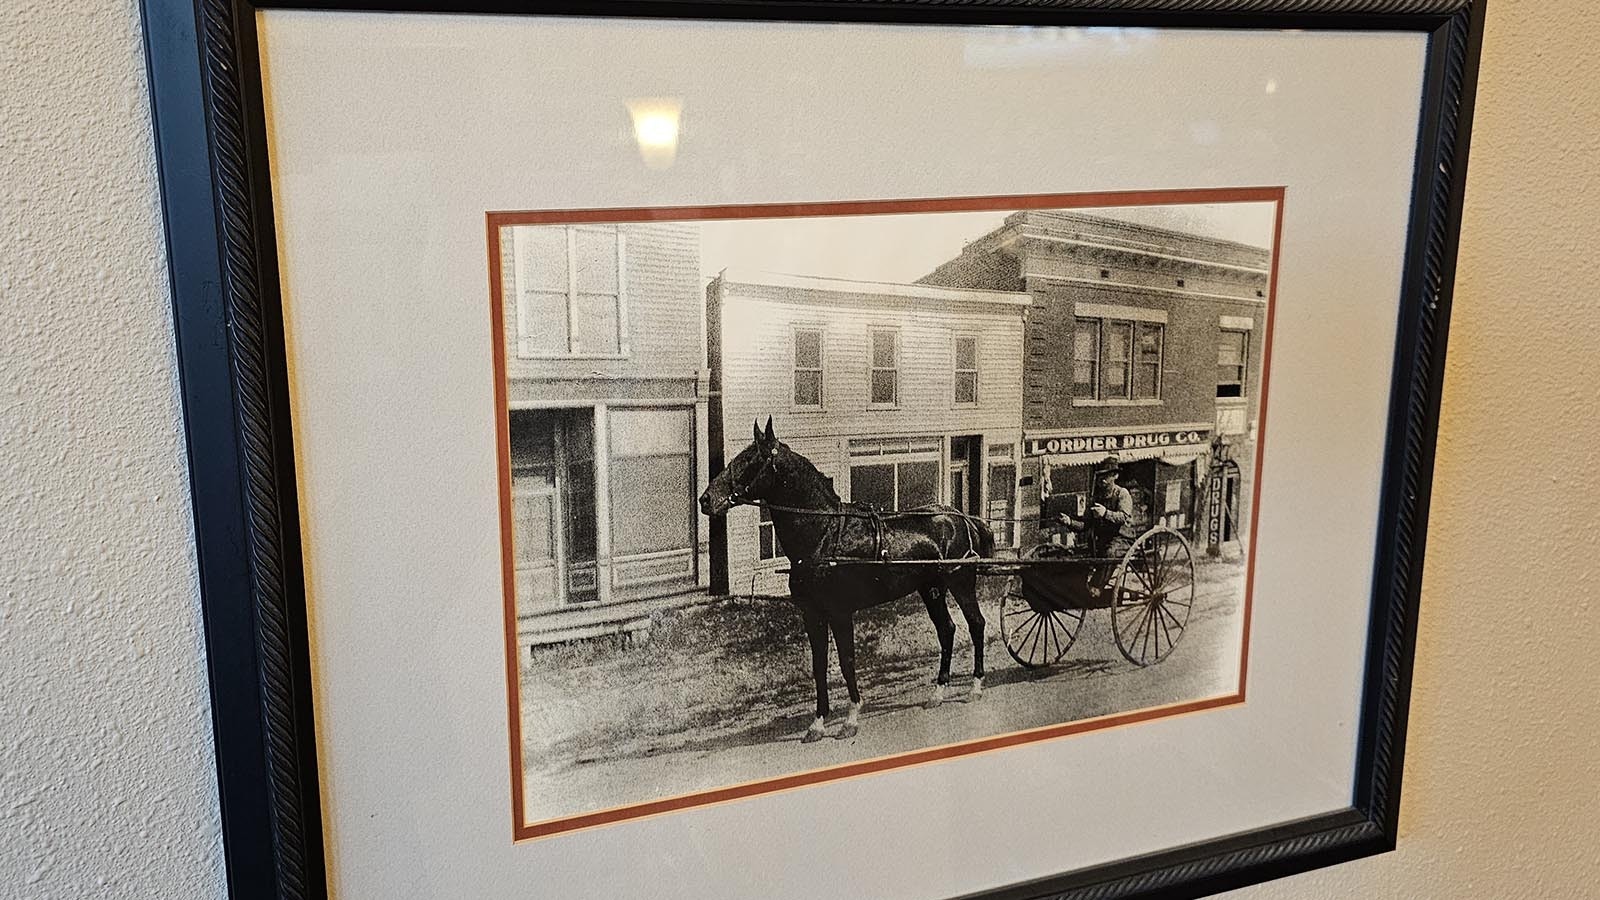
(652,480)
(1002,500)
(895,485)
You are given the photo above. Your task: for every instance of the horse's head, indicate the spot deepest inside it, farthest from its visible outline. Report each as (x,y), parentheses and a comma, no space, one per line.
(748,476)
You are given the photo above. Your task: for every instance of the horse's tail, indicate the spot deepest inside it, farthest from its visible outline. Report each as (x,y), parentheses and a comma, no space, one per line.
(980,537)
(985,546)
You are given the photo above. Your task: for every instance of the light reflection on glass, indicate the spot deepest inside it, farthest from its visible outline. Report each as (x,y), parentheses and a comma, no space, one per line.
(656,127)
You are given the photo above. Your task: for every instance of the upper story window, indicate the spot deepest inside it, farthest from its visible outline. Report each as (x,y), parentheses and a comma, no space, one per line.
(808,367)
(1147,348)
(1113,359)
(570,291)
(1233,349)
(966,370)
(885,349)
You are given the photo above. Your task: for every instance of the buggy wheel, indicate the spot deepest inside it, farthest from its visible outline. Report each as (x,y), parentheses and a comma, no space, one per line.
(1035,636)
(1154,587)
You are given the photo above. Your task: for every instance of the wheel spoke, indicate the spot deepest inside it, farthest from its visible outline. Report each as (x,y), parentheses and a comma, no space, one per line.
(1038,634)
(1139,572)
(1158,572)
(1161,620)
(1144,619)
(1050,622)
(1028,631)
(1149,628)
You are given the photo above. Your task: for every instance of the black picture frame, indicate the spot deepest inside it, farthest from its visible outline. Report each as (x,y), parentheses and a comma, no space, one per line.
(207,102)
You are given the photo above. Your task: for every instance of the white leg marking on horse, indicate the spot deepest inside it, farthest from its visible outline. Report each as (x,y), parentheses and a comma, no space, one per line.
(852,722)
(977,689)
(937,697)
(814,732)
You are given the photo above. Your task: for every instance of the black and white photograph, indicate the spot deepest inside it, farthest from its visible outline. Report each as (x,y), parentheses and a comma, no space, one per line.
(795,494)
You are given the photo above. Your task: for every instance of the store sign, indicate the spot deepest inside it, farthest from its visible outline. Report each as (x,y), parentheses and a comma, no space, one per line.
(1214,511)
(1112,443)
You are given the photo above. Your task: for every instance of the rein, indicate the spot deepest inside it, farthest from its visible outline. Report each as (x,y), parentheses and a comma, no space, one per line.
(735,500)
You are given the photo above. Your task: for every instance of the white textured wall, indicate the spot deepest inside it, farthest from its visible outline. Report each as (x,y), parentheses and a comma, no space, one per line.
(106,780)
(105,762)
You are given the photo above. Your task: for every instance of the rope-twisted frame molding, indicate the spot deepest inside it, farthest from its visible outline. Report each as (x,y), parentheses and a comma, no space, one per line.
(210,136)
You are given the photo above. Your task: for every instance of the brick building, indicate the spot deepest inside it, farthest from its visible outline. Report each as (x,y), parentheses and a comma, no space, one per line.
(902,394)
(1140,341)
(607,404)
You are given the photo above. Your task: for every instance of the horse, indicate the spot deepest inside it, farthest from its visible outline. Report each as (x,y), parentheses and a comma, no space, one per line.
(815,527)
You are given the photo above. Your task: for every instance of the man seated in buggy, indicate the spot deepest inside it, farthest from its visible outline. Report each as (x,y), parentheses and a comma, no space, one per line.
(1109,524)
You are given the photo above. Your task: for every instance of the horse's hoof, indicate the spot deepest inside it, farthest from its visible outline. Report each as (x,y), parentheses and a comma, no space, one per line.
(847,732)
(977,691)
(814,733)
(936,699)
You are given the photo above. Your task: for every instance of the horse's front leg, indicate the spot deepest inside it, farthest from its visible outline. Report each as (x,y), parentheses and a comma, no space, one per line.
(844,636)
(817,634)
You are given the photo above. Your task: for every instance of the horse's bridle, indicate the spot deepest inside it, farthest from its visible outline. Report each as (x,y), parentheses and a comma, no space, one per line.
(736,497)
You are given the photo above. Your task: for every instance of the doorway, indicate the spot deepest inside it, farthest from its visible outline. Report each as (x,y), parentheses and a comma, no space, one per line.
(966,459)
(554,512)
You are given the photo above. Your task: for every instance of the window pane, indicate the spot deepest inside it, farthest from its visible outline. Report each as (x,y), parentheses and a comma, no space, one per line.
(883,386)
(578,502)
(541,258)
(651,504)
(596,258)
(1086,358)
(1083,379)
(873,484)
(967,387)
(544,321)
(1114,376)
(532,439)
(883,349)
(1002,485)
(1086,340)
(1149,343)
(1230,349)
(966,353)
(808,388)
(594,324)
(808,349)
(919,484)
(1146,381)
(530,517)
(651,432)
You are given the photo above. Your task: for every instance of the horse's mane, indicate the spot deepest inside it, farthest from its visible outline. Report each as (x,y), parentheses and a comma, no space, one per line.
(805,467)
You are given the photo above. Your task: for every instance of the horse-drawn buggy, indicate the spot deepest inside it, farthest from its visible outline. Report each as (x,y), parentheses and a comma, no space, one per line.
(1148,590)
(845,557)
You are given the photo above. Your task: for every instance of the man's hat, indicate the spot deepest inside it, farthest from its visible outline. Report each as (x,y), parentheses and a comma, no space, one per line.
(1110,464)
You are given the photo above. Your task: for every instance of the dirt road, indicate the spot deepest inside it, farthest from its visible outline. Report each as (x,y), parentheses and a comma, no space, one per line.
(573,764)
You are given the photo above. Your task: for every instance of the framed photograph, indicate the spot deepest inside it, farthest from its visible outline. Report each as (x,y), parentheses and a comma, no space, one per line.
(725,449)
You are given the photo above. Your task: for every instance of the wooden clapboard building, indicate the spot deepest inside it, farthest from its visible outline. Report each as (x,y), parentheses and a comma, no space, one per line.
(902,394)
(607,404)
(1143,342)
